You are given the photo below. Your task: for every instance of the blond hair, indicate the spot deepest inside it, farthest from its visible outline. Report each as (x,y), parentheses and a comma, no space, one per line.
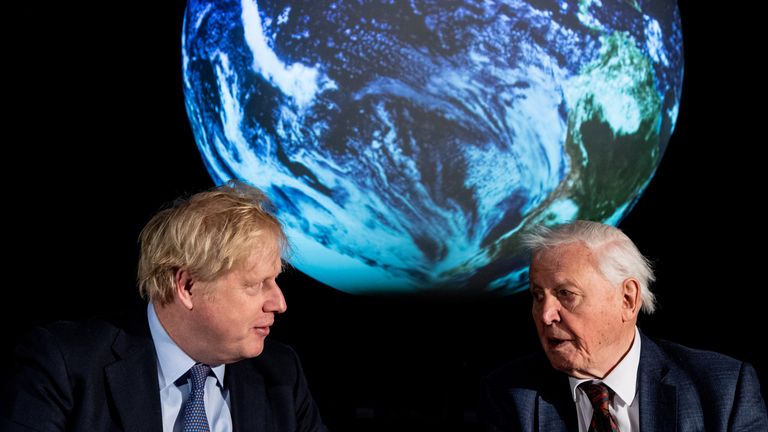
(207,234)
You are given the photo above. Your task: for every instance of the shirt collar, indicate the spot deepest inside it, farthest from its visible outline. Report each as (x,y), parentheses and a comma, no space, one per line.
(172,361)
(623,378)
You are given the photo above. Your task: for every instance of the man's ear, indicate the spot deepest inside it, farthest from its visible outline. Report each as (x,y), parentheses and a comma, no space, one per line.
(630,303)
(183,287)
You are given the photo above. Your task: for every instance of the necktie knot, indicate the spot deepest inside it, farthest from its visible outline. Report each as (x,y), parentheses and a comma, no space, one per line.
(600,396)
(198,373)
(194,418)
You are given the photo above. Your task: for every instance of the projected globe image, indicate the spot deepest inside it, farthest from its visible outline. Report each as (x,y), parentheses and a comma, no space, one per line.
(408,144)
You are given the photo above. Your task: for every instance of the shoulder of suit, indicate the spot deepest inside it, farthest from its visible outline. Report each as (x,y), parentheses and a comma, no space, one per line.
(708,371)
(686,357)
(86,333)
(77,342)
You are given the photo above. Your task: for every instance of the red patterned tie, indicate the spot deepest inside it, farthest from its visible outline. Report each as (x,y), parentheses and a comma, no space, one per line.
(602,419)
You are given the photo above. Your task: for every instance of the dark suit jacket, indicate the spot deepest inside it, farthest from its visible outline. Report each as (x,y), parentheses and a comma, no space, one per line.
(99,376)
(680,389)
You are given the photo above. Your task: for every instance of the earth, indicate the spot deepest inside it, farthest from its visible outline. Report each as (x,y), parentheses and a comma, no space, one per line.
(408,144)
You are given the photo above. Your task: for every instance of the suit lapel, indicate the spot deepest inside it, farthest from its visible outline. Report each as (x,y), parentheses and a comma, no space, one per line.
(245,384)
(132,382)
(556,409)
(657,391)
(658,394)
(550,418)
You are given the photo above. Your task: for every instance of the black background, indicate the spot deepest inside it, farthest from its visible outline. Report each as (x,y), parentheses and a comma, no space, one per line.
(98,140)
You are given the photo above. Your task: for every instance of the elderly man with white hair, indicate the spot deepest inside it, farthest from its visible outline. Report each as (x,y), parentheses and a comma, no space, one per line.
(598,372)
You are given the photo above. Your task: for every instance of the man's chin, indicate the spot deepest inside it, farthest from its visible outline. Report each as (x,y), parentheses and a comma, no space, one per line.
(255,350)
(560,362)
(251,350)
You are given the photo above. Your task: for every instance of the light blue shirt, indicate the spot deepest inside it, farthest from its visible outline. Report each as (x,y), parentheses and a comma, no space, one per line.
(172,366)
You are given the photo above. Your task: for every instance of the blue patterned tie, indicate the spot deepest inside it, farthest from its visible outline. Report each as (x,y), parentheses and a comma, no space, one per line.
(600,397)
(193,415)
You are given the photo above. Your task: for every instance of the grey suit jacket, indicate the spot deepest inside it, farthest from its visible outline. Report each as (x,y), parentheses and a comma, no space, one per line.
(680,389)
(97,376)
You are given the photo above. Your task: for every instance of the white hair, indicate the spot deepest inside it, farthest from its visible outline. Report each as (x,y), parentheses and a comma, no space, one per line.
(617,256)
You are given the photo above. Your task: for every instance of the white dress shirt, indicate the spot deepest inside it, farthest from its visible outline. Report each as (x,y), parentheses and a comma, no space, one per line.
(172,367)
(623,381)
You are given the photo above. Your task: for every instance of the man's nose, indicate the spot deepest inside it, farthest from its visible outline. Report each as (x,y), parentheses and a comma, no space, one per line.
(276,303)
(549,310)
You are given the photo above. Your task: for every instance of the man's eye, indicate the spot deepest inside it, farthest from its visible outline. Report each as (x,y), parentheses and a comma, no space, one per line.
(538,296)
(564,293)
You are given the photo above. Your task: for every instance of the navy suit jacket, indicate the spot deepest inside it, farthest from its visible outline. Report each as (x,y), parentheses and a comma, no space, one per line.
(98,376)
(680,389)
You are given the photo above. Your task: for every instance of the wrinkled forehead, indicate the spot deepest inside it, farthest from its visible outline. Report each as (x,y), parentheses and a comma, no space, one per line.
(562,260)
(261,262)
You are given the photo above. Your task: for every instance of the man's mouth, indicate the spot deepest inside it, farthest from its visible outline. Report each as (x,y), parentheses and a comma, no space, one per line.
(263,331)
(556,342)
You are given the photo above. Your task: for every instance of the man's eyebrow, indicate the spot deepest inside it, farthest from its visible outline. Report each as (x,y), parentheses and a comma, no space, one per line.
(563,284)
(567,284)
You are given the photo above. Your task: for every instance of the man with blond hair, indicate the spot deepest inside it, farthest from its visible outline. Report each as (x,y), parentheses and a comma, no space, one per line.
(198,358)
